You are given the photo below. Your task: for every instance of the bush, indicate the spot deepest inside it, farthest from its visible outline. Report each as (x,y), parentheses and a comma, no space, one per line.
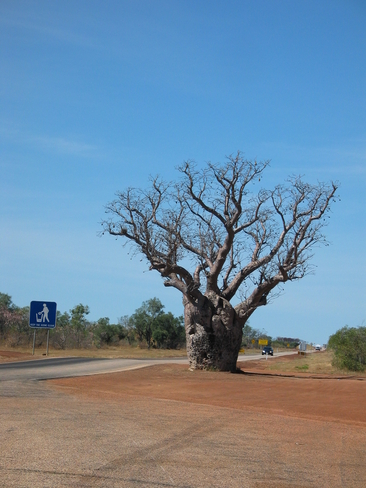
(107,334)
(168,332)
(349,346)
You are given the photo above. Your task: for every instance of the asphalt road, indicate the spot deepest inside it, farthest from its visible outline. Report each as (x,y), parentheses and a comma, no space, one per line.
(50,368)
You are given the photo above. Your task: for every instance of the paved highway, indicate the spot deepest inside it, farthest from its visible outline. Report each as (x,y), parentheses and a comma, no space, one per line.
(49,368)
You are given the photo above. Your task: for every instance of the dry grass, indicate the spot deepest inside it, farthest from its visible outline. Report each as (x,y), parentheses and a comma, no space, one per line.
(314,363)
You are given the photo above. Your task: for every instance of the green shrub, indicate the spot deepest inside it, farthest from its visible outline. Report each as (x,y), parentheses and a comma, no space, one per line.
(107,334)
(349,346)
(304,367)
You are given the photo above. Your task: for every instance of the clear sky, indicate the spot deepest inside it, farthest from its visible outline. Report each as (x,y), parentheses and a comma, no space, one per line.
(97,95)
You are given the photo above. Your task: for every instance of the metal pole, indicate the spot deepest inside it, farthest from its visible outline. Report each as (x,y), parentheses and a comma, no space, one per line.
(34,341)
(48,338)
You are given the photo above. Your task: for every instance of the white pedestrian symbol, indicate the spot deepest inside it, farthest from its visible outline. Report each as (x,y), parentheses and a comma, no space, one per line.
(43,316)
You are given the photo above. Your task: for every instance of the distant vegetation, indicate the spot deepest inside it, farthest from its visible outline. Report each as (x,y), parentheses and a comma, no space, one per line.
(149,327)
(251,337)
(349,347)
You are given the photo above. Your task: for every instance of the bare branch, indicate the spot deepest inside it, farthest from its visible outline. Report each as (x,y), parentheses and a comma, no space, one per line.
(210,218)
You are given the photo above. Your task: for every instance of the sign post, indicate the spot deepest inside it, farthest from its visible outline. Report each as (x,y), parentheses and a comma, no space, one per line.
(34,341)
(42,315)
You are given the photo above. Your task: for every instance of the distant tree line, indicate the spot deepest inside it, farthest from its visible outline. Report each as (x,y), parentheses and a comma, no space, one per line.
(290,342)
(150,326)
(251,337)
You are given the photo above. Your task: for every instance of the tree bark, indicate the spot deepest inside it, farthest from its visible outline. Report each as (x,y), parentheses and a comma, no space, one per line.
(213,332)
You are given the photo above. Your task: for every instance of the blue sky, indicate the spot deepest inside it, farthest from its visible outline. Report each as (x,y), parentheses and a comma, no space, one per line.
(96,96)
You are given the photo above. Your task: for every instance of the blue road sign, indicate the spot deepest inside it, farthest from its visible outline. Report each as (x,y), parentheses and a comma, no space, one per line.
(42,315)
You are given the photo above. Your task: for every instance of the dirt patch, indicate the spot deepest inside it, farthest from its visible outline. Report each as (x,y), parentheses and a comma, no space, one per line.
(112,352)
(9,356)
(323,399)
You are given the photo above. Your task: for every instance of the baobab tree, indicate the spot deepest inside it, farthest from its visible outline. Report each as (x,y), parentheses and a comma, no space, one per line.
(213,239)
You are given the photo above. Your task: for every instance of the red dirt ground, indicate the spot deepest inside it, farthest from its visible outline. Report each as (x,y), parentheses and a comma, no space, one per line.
(167,426)
(298,395)
(340,400)
(300,431)
(9,356)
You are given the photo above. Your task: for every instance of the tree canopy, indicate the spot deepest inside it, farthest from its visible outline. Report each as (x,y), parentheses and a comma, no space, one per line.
(230,235)
(151,324)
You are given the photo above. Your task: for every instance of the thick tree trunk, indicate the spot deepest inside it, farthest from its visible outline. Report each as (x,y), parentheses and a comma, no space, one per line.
(213,332)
